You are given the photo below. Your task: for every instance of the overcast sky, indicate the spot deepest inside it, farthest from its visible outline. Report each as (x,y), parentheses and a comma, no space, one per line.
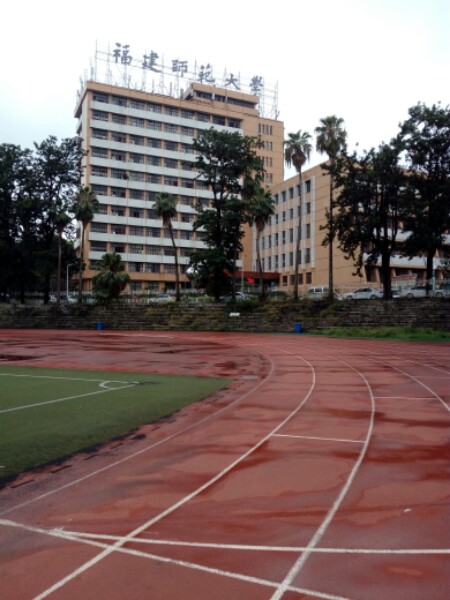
(366,61)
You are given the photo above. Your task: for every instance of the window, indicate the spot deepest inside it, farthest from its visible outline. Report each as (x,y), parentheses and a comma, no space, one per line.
(119,248)
(137,194)
(137,158)
(171,146)
(308,277)
(155,125)
(169,128)
(156,108)
(100,97)
(187,183)
(99,152)
(308,186)
(99,227)
(136,249)
(169,110)
(187,149)
(188,131)
(291,193)
(154,232)
(136,231)
(118,193)
(119,137)
(99,134)
(154,178)
(155,161)
(103,208)
(308,208)
(308,230)
(187,114)
(234,123)
(185,235)
(118,174)
(151,214)
(115,155)
(202,117)
(308,255)
(119,119)
(135,176)
(118,229)
(119,101)
(137,104)
(100,115)
(171,181)
(137,140)
(136,122)
(136,213)
(152,143)
(135,267)
(171,163)
(99,172)
(152,267)
(118,212)
(98,246)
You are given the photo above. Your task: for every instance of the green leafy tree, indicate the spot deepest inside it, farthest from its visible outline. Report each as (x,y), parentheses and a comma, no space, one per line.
(425,139)
(297,150)
(228,164)
(111,280)
(166,209)
(370,202)
(261,208)
(330,140)
(56,171)
(86,205)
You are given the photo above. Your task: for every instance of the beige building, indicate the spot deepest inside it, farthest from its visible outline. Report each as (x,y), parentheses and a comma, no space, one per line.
(280,235)
(140,144)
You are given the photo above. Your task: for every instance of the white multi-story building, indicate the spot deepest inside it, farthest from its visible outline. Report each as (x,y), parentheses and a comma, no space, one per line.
(139,144)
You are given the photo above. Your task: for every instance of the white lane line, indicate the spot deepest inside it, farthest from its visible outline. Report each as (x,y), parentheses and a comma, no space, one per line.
(60,377)
(180,563)
(39,404)
(187,498)
(421,383)
(325,439)
(283,587)
(144,450)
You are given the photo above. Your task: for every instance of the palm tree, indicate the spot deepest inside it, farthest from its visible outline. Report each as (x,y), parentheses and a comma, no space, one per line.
(111,279)
(86,205)
(261,209)
(166,209)
(297,150)
(330,140)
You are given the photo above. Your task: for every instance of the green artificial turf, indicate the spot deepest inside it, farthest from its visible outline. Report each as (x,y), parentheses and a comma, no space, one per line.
(49,414)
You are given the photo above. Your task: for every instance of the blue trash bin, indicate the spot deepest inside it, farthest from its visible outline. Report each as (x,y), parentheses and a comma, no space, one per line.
(99,326)
(298,328)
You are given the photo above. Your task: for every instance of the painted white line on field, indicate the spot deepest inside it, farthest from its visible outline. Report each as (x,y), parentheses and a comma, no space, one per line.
(129,538)
(39,404)
(60,377)
(325,439)
(155,557)
(284,586)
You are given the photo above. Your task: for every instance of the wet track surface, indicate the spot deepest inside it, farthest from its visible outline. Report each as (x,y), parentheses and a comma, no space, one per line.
(322,471)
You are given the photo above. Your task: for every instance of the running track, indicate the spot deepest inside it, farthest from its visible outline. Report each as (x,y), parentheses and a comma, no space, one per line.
(321,472)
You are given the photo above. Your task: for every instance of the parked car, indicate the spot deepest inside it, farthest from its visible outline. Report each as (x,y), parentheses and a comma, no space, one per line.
(316,293)
(443,291)
(238,296)
(366,293)
(416,291)
(161,298)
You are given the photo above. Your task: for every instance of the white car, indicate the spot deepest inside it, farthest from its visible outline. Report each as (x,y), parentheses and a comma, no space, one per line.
(366,293)
(161,298)
(229,297)
(416,291)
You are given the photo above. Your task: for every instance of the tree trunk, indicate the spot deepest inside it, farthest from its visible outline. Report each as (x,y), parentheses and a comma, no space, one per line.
(330,247)
(80,279)
(258,256)
(58,281)
(177,274)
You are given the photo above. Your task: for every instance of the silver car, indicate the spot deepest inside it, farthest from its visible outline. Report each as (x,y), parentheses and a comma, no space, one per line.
(416,291)
(366,293)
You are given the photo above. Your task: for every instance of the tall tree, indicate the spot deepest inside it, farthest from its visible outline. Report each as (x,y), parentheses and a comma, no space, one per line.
(425,139)
(370,203)
(111,280)
(330,140)
(297,150)
(166,209)
(56,174)
(261,208)
(85,208)
(226,163)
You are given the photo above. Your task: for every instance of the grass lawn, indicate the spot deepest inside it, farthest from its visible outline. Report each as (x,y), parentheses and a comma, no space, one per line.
(49,414)
(407,334)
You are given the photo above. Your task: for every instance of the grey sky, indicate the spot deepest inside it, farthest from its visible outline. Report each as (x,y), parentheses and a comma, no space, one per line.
(366,61)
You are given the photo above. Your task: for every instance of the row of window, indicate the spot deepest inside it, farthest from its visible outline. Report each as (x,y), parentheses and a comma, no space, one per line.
(289,193)
(155,178)
(150,196)
(138,140)
(283,261)
(284,237)
(122,248)
(160,109)
(136,267)
(140,231)
(107,117)
(142,159)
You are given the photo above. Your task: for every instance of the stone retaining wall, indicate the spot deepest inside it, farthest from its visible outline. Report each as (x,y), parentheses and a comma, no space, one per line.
(272,317)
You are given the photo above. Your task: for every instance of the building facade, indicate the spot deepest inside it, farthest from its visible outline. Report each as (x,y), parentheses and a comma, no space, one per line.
(139,144)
